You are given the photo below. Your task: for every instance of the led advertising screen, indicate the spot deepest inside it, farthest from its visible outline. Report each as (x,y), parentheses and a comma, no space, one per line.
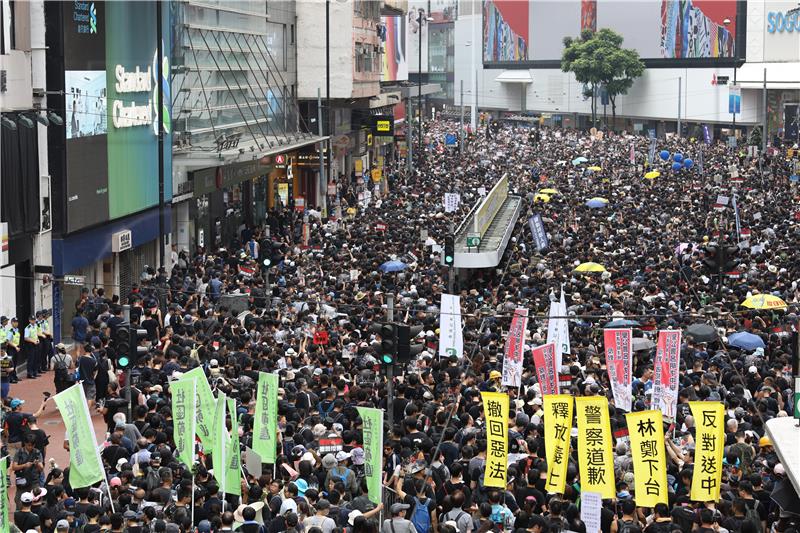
(111,78)
(664,31)
(395,65)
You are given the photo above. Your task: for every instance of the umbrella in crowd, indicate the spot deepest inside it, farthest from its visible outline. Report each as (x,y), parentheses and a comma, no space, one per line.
(578,160)
(590,267)
(393,266)
(764,301)
(549,191)
(541,198)
(595,168)
(621,323)
(702,333)
(596,203)
(746,341)
(641,344)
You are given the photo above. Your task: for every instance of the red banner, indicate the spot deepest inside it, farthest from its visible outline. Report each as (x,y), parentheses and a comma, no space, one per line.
(619,358)
(544,359)
(665,372)
(515,344)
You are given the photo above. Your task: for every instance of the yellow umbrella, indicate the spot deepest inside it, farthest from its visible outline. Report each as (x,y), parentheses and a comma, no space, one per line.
(541,198)
(590,267)
(550,191)
(764,301)
(653,174)
(596,169)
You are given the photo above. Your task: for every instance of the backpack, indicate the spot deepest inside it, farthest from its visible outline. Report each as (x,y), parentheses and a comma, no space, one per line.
(341,476)
(752,516)
(624,526)
(422,516)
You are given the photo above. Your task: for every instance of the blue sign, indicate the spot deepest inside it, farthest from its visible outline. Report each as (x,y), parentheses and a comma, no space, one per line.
(734,99)
(540,239)
(778,22)
(706,134)
(450,139)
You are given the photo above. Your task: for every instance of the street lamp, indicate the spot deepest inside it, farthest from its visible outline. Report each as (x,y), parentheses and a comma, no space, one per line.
(727,22)
(420,19)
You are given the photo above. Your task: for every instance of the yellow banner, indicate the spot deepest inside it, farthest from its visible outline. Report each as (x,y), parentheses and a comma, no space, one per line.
(709,420)
(495,409)
(557,428)
(595,458)
(646,430)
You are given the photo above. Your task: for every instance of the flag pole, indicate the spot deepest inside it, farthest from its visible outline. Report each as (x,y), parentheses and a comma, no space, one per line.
(96,447)
(194,443)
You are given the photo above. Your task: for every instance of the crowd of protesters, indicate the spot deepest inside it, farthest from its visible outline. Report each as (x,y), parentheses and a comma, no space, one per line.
(649,237)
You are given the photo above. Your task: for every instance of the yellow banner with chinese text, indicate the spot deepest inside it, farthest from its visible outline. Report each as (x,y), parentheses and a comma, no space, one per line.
(595,458)
(495,409)
(709,419)
(646,431)
(557,430)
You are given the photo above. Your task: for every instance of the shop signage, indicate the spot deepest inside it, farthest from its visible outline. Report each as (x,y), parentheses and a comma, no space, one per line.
(207,180)
(121,241)
(299,203)
(383,125)
(74,280)
(787,22)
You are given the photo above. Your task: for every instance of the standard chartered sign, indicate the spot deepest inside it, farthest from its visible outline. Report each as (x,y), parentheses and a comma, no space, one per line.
(133,114)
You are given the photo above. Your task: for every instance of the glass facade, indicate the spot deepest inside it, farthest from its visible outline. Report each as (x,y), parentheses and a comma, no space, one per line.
(441,57)
(234,76)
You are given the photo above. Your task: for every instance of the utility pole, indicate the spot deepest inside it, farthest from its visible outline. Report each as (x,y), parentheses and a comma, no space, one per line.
(390,368)
(451,270)
(420,18)
(764,140)
(328,114)
(126,316)
(322,177)
(409,137)
(160,93)
(461,126)
(680,90)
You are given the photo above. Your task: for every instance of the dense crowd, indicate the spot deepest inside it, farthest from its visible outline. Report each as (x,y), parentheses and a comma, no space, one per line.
(649,237)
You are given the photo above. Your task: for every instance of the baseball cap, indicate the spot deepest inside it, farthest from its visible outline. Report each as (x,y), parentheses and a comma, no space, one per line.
(26,497)
(62,524)
(494,374)
(397,507)
(16,402)
(342,455)
(358,456)
(204,526)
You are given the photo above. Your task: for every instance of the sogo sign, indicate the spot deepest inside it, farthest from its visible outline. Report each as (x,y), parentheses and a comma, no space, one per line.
(788,22)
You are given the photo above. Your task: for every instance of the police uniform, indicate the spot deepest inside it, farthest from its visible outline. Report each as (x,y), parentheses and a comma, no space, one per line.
(31,347)
(41,357)
(12,348)
(47,342)
(5,359)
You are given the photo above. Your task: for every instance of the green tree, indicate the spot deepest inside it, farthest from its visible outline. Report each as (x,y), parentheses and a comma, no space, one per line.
(599,60)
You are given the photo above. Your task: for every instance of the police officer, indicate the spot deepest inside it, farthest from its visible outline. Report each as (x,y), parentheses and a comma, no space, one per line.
(12,347)
(41,357)
(48,340)
(5,359)
(31,347)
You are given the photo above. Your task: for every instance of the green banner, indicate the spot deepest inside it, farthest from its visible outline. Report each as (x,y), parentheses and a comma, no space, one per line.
(205,407)
(373,450)
(85,467)
(184,400)
(4,501)
(265,425)
(233,476)
(220,440)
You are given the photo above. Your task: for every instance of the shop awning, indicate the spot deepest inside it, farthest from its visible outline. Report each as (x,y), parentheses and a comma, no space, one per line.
(515,76)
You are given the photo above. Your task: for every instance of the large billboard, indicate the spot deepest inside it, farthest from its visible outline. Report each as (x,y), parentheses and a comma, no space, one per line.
(111,77)
(662,31)
(395,64)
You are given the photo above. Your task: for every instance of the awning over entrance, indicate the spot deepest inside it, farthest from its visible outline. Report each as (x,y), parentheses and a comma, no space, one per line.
(515,76)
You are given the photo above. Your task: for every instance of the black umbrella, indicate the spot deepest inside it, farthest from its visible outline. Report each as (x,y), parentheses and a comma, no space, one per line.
(702,333)
(786,497)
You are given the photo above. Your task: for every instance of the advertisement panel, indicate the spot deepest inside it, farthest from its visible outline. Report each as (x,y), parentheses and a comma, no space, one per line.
(111,78)
(662,31)
(395,65)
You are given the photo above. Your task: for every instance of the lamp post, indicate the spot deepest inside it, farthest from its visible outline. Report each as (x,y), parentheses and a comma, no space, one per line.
(420,19)
(727,22)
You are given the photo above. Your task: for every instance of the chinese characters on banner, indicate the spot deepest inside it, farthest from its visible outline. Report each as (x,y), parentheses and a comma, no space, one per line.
(265,423)
(619,354)
(451,340)
(665,372)
(85,466)
(646,431)
(451,201)
(373,450)
(557,432)
(495,409)
(515,344)
(184,400)
(205,407)
(544,359)
(709,421)
(233,456)
(220,439)
(595,459)
(4,496)
(591,507)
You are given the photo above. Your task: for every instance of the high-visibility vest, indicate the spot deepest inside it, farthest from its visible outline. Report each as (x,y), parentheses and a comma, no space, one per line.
(15,337)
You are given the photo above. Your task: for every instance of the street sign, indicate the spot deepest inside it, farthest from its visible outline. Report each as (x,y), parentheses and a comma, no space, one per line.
(473,240)
(74,280)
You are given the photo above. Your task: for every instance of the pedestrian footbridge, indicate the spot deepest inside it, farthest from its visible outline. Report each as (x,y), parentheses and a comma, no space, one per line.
(482,237)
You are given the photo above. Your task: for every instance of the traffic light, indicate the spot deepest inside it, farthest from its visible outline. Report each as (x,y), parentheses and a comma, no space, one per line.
(121,341)
(711,258)
(388,334)
(449,250)
(136,351)
(729,259)
(405,350)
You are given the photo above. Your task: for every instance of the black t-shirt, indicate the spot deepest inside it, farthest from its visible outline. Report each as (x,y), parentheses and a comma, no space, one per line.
(151,325)
(26,520)
(15,423)
(87,366)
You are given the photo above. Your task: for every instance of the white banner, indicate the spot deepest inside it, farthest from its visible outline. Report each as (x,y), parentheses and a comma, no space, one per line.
(515,346)
(451,201)
(451,340)
(558,330)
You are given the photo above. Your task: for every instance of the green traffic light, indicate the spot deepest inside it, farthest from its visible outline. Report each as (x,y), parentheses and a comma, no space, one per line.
(123,361)
(387,359)
(448,258)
